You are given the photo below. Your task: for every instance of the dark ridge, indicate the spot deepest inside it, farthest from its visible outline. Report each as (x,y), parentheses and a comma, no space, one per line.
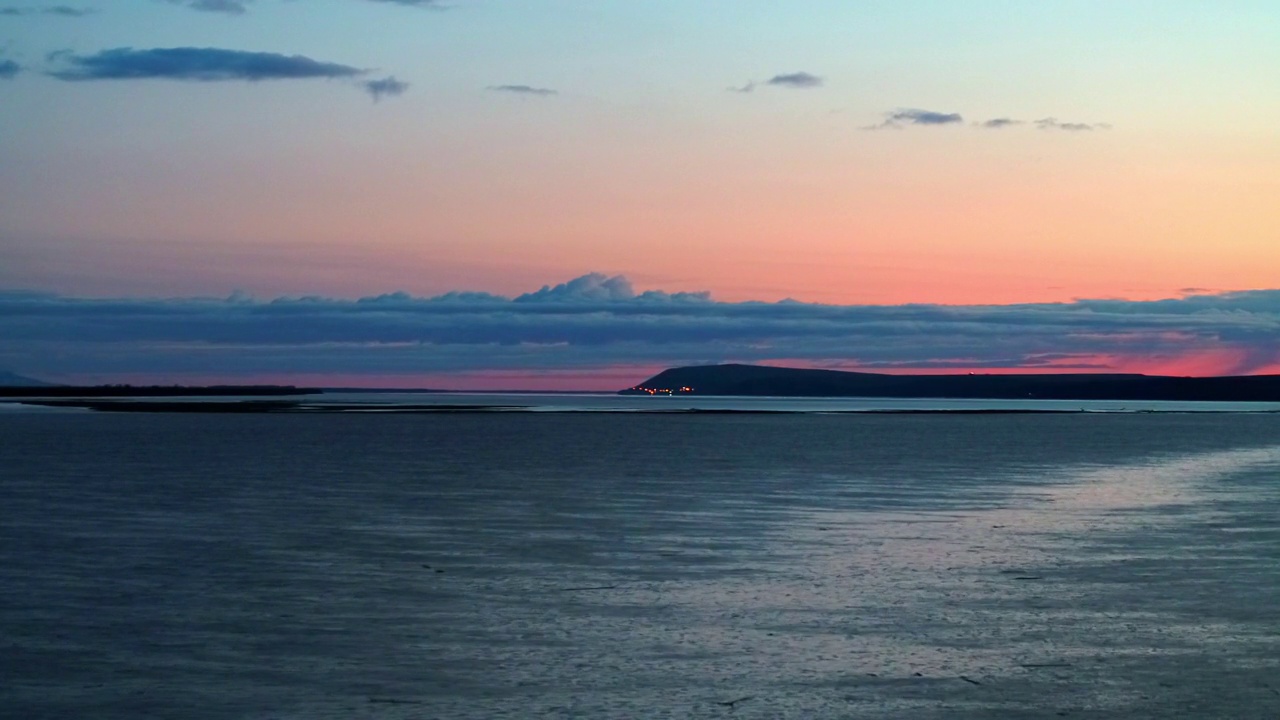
(244,406)
(10,380)
(133,405)
(762,380)
(108,391)
(382,391)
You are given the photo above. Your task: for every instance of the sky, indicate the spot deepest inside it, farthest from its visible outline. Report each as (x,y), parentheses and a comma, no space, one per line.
(562,194)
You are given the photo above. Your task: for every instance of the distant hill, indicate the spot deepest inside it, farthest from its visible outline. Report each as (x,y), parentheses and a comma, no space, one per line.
(761,380)
(8,379)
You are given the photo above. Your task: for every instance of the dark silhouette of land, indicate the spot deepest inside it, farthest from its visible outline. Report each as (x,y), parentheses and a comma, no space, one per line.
(9,379)
(760,380)
(222,405)
(127,391)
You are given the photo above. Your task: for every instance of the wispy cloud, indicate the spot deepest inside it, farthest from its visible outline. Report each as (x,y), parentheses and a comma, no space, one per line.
(56,10)
(1055,124)
(429,4)
(230,7)
(597,321)
(240,7)
(385,87)
(523,90)
(799,80)
(796,80)
(904,117)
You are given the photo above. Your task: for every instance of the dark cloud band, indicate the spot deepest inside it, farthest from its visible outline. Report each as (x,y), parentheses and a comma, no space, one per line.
(598,321)
(195,64)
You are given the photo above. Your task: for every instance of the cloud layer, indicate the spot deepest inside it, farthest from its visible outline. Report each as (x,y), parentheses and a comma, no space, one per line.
(596,321)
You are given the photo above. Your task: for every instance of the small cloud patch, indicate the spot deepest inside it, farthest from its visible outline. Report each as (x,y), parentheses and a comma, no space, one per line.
(1055,124)
(385,87)
(798,80)
(229,7)
(914,116)
(523,90)
(795,80)
(429,4)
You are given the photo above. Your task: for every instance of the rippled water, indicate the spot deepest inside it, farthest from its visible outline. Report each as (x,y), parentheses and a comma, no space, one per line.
(622,565)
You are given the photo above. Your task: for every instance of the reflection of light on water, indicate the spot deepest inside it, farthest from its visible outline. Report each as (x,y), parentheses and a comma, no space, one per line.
(1031,587)
(1180,481)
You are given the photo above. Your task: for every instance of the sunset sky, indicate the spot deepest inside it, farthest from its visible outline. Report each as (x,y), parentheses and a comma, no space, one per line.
(372,192)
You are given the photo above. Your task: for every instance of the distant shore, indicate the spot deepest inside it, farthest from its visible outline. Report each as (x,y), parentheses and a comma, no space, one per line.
(769,381)
(271,406)
(133,391)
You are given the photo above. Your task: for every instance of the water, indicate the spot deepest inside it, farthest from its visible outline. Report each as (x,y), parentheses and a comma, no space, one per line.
(637,565)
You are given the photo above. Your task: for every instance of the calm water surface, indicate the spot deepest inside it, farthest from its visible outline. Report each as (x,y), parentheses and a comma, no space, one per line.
(630,565)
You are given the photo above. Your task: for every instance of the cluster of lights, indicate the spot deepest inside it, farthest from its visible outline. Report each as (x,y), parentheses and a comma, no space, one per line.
(662,391)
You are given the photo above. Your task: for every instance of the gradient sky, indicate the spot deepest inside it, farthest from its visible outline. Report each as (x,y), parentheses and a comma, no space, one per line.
(974,155)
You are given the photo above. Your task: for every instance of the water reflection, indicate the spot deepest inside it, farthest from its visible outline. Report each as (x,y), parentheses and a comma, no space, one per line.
(555,566)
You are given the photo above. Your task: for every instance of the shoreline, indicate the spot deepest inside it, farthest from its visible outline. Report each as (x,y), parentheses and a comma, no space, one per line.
(293,407)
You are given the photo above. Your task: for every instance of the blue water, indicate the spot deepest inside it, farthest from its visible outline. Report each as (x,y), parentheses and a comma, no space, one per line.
(639,565)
